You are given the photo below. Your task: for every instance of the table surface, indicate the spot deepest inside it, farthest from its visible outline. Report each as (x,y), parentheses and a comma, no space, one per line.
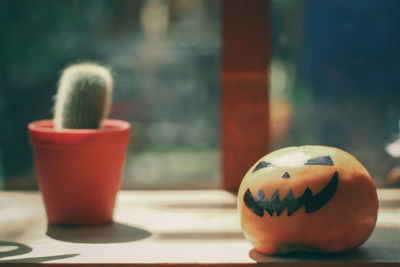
(169,227)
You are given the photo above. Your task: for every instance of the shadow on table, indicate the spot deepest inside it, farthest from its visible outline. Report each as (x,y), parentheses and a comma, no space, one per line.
(20,249)
(354,255)
(108,233)
(382,246)
(40,259)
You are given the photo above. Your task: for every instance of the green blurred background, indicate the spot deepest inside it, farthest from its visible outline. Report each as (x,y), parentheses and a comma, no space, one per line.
(334,72)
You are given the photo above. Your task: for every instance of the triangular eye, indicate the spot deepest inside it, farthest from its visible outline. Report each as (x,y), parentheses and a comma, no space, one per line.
(326,160)
(262,164)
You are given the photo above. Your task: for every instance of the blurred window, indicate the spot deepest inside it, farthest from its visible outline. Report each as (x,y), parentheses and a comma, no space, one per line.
(164,57)
(334,79)
(334,71)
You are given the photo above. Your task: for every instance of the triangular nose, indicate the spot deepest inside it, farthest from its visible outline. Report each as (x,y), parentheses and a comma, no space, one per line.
(286,175)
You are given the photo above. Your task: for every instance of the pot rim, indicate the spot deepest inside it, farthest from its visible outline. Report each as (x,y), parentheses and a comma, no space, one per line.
(114,132)
(107,124)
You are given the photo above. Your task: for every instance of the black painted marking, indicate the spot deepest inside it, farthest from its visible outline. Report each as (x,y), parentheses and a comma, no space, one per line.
(326,160)
(252,204)
(262,164)
(286,175)
(312,203)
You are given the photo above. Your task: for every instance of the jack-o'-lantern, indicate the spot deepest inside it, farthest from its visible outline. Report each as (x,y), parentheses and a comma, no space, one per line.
(307,198)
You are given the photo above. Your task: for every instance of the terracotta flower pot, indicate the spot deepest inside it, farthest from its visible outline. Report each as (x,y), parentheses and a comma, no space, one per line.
(79,171)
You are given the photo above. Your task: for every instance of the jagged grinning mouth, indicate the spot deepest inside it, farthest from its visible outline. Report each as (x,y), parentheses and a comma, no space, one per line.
(312,203)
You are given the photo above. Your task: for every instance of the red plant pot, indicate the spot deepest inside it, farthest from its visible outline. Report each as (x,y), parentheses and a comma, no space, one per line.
(79,171)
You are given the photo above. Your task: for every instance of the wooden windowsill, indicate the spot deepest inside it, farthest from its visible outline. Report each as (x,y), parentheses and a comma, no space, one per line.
(168,227)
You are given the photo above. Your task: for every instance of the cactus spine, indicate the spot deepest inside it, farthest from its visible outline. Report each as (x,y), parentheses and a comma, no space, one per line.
(83,99)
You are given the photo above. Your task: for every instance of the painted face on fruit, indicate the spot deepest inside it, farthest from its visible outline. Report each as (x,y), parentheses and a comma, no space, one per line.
(282,185)
(306,198)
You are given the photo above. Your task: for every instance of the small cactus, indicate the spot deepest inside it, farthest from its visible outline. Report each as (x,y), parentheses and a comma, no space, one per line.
(83,99)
